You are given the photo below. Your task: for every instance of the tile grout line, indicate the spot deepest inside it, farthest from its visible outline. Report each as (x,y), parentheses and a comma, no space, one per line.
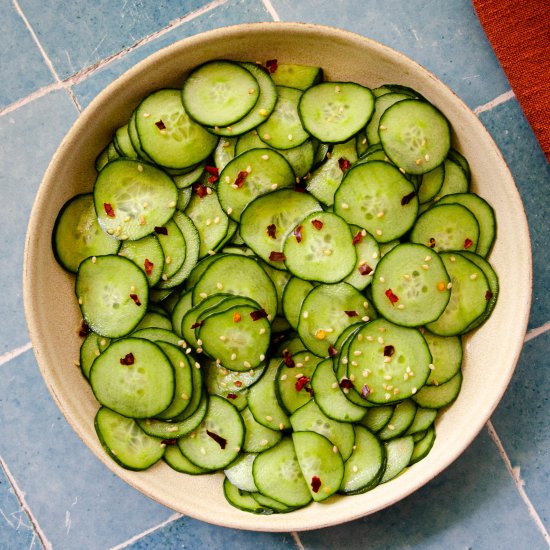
(502,98)
(47,60)
(21,497)
(516,476)
(271,10)
(534,332)
(139,536)
(12,354)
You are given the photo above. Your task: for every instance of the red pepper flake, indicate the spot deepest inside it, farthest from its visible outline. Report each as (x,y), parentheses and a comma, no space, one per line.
(238,383)
(391,296)
(488,295)
(161,230)
(332,351)
(346,384)
(258,314)
(236,317)
(272,231)
(358,238)
(351,313)
(214,173)
(160,125)
(300,186)
(232,396)
(196,325)
(298,233)
(432,242)
(468,243)
(365,269)
(109,209)
(277,257)
(318,224)
(365,390)
(84,329)
(315,484)
(200,190)
(287,358)
(344,164)
(222,442)
(172,441)
(241,176)
(301,382)
(136,299)
(128,359)
(148,265)
(388,351)
(309,390)
(272,65)
(408,198)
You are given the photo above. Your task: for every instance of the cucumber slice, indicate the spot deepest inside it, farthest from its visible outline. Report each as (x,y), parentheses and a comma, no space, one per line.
(131,198)
(257,437)
(446,357)
(112,293)
(219,93)
(376,196)
(173,246)
(320,248)
(133,377)
(77,235)
(398,452)
(381,103)
(239,472)
(125,442)
(91,347)
(224,152)
(277,475)
(415,135)
(249,175)
(147,254)
(436,397)
(423,446)
(243,500)
(216,442)
(333,112)
(391,361)
(368,256)
(410,285)
(376,418)
(175,459)
(455,180)
(296,76)
(154,319)
(168,135)
(294,294)
(283,129)
(322,468)
(401,418)
(431,183)
(364,468)
(423,419)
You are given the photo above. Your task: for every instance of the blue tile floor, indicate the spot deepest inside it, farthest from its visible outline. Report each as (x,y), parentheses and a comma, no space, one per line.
(53,492)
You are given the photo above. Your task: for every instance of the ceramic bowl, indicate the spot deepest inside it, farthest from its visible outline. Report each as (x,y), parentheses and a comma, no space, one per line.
(490,353)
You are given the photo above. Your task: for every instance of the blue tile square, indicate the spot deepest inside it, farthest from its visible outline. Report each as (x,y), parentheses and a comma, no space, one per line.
(472,504)
(23,69)
(28,138)
(78,34)
(228,13)
(76,501)
(515,138)
(523,425)
(445,37)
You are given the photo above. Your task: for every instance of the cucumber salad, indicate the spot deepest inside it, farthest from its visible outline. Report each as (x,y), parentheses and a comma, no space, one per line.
(275,272)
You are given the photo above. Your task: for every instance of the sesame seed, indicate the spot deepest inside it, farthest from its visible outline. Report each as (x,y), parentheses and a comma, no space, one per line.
(164,277)
(370,338)
(199,342)
(264,442)
(173,428)
(380,215)
(418,161)
(281,426)
(387,377)
(425,266)
(172,204)
(274,186)
(387,396)
(408,369)
(337,89)
(366,305)
(402,170)
(380,340)
(110,231)
(382,280)
(182,364)
(366,373)
(405,376)
(203,451)
(227,179)
(208,222)
(382,127)
(354,363)
(203,295)
(262,330)
(263,112)
(233,356)
(199,350)
(360,337)
(473,276)
(251,91)
(146,115)
(374,255)
(426,157)
(357,352)
(345,205)
(387,359)
(365,319)
(306,358)
(305,314)
(269,418)
(452,258)
(217,220)
(355,469)
(413,391)
(407,277)
(97,352)
(265,157)
(126,219)
(327,252)
(246,364)
(427,258)
(450,285)
(401,306)
(262,357)
(267,137)
(223,338)
(229,211)
(352,377)
(140,168)
(378,232)
(345,361)
(290,137)
(334,385)
(284,377)
(167,260)
(431,366)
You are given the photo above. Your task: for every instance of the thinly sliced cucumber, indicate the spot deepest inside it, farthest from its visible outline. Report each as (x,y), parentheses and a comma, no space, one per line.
(392,361)
(431,184)
(410,285)
(224,152)
(168,135)
(268,219)
(91,348)
(326,311)
(446,357)
(381,103)
(295,76)
(257,437)
(112,293)
(415,135)
(398,452)
(436,397)
(173,246)
(377,418)
(243,500)
(181,307)
(294,294)
(320,248)
(133,377)
(131,198)
(154,319)
(455,180)
(423,419)
(322,468)
(401,418)
(423,446)
(147,254)
(186,180)
(123,143)
(239,472)
(283,129)
(125,442)
(376,196)
(175,459)
(249,175)
(365,466)
(77,234)
(216,442)
(277,475)
(368,256)
(333,112)
(219,93)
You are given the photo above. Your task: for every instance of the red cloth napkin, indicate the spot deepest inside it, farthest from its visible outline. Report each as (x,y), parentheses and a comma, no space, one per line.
(519,32)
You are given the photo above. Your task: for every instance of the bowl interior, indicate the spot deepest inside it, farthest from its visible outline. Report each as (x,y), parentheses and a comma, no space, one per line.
(53,316)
